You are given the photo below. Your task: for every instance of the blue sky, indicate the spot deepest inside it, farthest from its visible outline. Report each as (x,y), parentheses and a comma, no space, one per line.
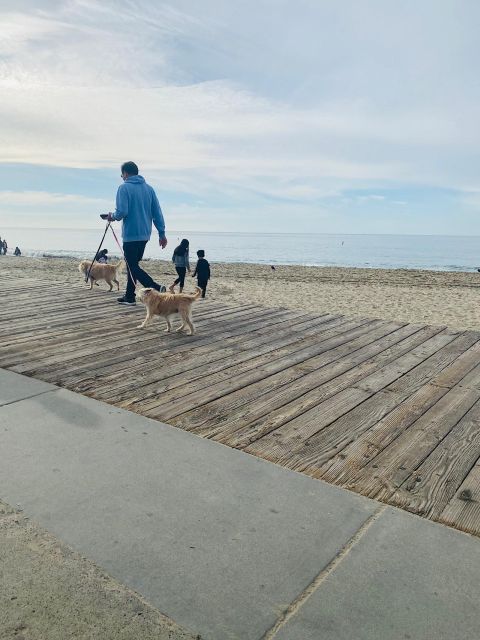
(338,117)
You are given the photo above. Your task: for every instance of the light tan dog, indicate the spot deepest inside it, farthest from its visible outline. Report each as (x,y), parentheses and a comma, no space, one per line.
(166,304)
(100,271)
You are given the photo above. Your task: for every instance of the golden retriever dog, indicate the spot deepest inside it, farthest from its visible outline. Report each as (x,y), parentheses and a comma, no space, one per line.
(166,304)
(100,271)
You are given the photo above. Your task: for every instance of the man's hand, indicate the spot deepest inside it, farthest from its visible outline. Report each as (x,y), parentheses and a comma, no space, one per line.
(163,242)
(110,217)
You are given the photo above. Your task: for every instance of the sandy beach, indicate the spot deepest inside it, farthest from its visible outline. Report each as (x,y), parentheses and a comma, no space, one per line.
(50,591)
(429,297)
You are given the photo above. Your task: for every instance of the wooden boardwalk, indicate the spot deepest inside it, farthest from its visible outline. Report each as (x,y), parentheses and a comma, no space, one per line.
(387,409)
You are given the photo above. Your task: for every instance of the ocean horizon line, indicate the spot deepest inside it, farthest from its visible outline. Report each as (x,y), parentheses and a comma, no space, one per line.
(258,233)
(383,251)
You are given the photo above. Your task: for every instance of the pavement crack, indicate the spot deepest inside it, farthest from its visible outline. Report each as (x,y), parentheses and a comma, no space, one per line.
(34,395)
(300,600)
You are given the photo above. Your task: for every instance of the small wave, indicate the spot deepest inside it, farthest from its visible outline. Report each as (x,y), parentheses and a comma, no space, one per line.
(65,255)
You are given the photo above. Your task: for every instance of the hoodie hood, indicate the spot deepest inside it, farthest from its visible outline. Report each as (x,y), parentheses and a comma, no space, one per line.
(135,180)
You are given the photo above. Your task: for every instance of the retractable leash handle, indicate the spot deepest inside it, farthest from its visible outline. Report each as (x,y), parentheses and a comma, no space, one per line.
(87,275)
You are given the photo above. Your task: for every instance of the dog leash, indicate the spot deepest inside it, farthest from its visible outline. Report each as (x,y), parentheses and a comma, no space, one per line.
(98,251)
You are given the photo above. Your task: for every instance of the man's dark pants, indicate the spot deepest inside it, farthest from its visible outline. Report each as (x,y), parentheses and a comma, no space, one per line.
(133,254)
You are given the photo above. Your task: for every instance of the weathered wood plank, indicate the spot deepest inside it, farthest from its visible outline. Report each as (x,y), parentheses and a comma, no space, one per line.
(278,445)
(267,427)
(222,419)
(256,371)
(136,336)
(82,310)
(432,484)
(463,510)
(321,444)
(117,320)
(382,477)
(111,367)
(344,467)
(101,336)
(150,349)
(193,366)
(270,412)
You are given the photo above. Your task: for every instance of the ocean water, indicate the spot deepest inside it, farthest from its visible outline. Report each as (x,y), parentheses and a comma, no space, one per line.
(439,253)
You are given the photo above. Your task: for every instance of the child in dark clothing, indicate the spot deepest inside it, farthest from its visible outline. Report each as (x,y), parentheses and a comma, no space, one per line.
(202,271)
(182,265)
(102,256)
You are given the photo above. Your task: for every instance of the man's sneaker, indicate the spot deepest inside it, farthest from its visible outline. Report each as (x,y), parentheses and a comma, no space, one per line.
(124,300)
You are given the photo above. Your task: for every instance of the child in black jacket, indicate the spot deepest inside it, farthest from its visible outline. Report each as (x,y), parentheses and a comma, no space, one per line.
(202,271)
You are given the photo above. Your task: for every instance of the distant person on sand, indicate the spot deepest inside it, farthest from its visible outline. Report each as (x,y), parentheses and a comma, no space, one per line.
(138,207)
(182,265)
(102,256)
(5,247)
(17,252)
(202,271)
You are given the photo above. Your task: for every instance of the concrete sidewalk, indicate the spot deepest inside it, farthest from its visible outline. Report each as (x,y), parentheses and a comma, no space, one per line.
(225,544)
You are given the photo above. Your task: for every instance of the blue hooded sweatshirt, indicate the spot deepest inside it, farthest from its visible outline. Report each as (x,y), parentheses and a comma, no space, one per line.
(137,206)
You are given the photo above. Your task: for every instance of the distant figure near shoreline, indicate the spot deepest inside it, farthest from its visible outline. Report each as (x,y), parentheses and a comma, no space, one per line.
(102,256)
(17,252)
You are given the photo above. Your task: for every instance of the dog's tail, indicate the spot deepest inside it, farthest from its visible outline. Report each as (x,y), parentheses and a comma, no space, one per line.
(119,264)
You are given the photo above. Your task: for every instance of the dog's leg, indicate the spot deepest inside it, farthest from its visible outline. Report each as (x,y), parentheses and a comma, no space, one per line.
(183,314)
(169,324)
(117,283)
(192,326)
(190,322)
(92,280)
(148,319)
(181,327)
(109,282)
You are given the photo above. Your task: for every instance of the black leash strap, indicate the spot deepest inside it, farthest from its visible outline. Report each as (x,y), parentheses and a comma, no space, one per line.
(99,247)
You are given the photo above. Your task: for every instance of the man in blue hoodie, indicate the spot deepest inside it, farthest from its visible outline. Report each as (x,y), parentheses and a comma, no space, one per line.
(137,206)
